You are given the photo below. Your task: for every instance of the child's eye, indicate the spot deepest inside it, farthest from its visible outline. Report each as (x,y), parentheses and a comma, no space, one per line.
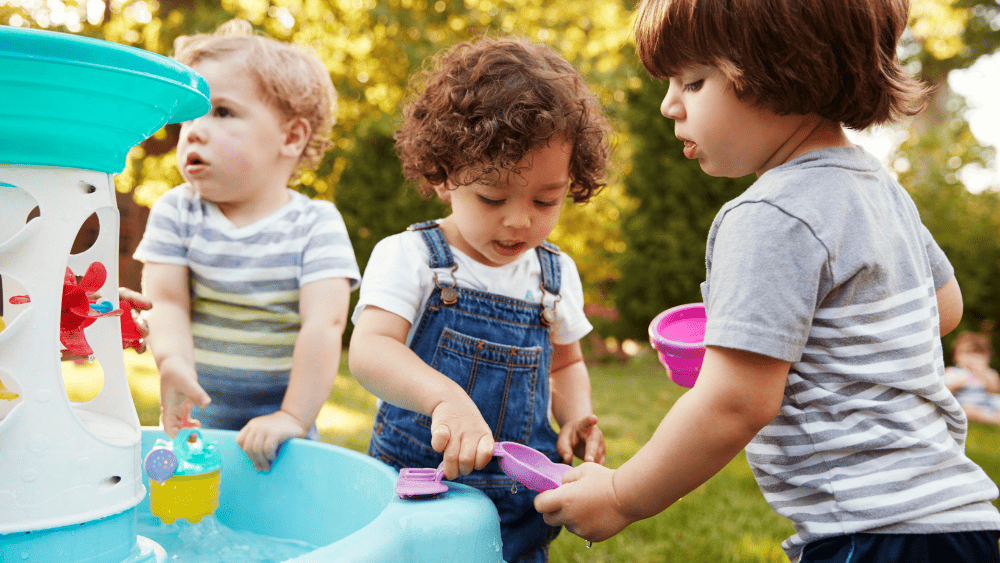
(489,201)
(551,203)
(222,111)
(694,86)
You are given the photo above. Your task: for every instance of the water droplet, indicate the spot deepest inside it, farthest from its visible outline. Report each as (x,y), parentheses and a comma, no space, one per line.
(90,359)
(590,543)
(513,488)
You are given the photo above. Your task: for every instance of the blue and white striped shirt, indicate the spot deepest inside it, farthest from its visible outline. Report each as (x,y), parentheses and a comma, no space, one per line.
(245,281)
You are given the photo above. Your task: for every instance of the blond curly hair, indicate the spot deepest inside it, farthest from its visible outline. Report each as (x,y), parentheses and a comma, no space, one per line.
(292,79)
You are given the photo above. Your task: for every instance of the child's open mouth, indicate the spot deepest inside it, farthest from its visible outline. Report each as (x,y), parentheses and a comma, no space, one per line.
(194,164)
(508,249)
(689,148)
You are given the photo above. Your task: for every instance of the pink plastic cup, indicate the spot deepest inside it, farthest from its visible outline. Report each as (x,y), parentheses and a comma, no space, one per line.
(678,336)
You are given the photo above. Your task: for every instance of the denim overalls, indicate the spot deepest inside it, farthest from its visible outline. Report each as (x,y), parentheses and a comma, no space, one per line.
(499,349)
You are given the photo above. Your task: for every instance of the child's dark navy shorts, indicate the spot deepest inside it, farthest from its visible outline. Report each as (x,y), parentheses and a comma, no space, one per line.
(967,547)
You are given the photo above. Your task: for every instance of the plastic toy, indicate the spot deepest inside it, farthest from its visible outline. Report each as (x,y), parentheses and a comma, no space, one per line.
(183,477)
(677,334)
(80,309)
(73,108)
(521,463)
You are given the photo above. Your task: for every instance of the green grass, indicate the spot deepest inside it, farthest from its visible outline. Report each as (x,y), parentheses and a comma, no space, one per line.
(724,520)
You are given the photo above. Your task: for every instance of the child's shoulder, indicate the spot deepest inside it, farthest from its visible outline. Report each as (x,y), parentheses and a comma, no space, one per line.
(182,201)
(826,185)
(832,167)
(405,244)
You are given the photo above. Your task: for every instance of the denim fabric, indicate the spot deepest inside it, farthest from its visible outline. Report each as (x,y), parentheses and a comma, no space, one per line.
(233,406)
(969,547)
(499,351)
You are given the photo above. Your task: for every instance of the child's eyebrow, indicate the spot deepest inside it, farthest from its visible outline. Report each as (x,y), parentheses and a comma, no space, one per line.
(222,100)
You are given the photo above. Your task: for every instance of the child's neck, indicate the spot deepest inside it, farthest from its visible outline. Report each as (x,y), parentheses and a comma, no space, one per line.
(814,133)
(248,212)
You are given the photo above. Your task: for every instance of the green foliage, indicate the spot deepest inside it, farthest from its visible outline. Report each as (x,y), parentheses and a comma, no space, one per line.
(665,237)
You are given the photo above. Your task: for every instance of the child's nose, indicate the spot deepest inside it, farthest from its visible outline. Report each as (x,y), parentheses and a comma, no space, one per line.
(518,219)
(194,130)
(671,107)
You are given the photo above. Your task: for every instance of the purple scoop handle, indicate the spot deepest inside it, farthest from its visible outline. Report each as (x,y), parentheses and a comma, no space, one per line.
(521,463)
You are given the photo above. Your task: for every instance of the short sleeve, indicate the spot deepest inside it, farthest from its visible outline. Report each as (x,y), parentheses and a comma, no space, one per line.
(765,272)
(329,253)
(396,278)
(572,324)
(163,240)
(941,267)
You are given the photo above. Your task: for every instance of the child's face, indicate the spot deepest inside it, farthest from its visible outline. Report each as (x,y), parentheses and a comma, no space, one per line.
(495,224)
(966,356)
(232,154)
(728,137)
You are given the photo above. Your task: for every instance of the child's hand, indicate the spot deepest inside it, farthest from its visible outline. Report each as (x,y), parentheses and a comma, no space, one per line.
(460,432)
(583,438)
(139,303)
(262,436)
(585,504)
(179,392)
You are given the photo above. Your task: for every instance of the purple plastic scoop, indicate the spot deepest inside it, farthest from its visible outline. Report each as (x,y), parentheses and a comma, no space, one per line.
(521,463)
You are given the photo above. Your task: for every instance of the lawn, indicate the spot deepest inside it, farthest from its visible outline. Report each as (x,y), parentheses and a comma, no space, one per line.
(725,520)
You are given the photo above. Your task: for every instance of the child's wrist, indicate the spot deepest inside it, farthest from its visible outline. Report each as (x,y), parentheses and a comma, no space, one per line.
(296,419)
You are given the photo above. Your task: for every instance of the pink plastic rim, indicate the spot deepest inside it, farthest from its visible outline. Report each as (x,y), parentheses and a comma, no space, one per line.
(677,335)
(668,328)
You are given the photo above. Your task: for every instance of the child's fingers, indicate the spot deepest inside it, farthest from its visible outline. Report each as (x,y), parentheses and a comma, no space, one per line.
(484,452)
(193,392)
(583,430)
(596,451)
(564,446)
(440,437)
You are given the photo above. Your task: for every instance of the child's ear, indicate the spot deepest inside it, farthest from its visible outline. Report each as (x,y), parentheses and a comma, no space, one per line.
(443,191)
(297,134)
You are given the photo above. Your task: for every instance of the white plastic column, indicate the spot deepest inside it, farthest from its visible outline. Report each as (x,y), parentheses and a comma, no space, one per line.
(61,462)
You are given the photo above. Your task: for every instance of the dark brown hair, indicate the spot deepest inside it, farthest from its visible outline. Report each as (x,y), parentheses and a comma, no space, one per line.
(833,58)
(482,105)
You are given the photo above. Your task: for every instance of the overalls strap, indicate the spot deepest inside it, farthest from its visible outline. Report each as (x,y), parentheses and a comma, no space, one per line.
(548,257)
(440,252)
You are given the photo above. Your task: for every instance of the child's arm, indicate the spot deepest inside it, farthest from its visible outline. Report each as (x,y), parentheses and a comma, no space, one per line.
(170,340)
(572,408)
(737,394)
(323,311)
(385,366)
(950,306)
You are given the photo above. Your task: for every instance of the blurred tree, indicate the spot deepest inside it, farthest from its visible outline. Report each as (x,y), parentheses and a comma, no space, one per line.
(947,35)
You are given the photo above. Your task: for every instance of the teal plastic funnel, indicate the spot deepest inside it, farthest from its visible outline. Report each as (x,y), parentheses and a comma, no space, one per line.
(78,102)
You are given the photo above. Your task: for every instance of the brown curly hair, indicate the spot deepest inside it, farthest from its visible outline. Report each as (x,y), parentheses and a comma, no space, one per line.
(484,104)
(293,80)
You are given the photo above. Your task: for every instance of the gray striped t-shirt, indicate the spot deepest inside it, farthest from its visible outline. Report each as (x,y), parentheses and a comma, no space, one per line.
(245,284)
(824,262)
